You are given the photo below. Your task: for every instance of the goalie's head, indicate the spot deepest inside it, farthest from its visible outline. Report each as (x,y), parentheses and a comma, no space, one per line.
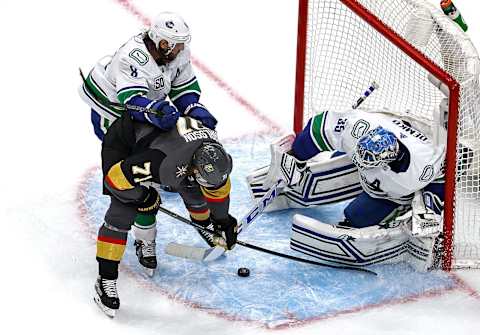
(378,147)
(211,165)
(169,32)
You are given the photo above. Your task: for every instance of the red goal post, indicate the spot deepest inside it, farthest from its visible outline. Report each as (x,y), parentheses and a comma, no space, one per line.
(338,40)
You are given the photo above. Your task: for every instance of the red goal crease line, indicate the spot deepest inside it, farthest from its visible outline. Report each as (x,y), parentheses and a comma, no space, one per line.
(250,108)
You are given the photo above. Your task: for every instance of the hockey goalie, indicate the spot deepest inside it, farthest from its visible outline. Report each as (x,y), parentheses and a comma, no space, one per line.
(391,168)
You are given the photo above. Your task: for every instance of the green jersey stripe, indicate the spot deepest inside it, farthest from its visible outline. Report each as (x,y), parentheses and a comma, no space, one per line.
(128,93)
(193,87)
(101,98)
(317,134)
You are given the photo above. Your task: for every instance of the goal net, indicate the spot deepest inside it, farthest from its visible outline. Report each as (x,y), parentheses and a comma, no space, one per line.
(410,48)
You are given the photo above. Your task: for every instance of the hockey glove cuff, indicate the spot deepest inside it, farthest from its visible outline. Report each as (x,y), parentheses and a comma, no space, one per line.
(200,113)
(228,229)
(151,202)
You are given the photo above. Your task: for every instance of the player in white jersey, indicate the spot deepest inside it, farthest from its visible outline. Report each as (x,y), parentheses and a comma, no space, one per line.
(396,182)
(394,160)
(149,68)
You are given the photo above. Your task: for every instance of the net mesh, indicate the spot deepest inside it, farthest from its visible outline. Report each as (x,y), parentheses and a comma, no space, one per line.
(345,55)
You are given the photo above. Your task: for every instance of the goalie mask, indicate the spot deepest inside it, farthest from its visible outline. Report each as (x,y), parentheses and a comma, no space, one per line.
(171,28)
(378,147)
(211,165)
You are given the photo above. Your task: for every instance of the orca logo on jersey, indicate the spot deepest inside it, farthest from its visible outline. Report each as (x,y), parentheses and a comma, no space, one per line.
(427,173)
(139,56)
(415,133)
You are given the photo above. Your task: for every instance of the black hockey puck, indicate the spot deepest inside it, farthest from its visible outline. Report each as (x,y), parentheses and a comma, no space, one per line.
(243,272)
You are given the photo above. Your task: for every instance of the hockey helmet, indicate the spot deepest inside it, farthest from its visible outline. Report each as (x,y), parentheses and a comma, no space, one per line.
(211,165)
(170,27)
(378,147)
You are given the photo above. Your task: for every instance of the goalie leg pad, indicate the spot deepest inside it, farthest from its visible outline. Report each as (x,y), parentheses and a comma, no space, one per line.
(348,246)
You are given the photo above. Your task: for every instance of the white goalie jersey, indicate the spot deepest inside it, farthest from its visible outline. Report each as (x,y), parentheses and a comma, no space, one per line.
(424,162)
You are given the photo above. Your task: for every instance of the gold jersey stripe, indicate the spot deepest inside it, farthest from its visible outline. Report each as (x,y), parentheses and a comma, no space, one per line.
(110,251)
(118,179)
(220,193)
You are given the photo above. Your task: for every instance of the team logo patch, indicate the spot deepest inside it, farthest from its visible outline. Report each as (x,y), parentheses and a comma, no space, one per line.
(170,24)
(181,171)
(139,56)
(159,83)
(427,173)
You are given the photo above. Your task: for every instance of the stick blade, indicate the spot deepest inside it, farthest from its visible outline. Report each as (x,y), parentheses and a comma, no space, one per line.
(194,253)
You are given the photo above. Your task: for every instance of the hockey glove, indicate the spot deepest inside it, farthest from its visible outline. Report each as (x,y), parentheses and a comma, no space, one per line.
(200,113)
(228,229)
(151,203)
(166,115)
(292,169)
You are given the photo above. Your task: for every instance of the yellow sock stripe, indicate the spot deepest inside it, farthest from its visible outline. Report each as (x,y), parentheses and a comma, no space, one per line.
(117,179)
(218,194)
(201,216)
(110,251)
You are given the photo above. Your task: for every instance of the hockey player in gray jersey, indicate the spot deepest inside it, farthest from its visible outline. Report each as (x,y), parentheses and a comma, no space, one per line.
(190,160)
(149,68)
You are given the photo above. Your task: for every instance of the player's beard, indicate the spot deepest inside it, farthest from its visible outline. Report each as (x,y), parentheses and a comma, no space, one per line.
(158,55)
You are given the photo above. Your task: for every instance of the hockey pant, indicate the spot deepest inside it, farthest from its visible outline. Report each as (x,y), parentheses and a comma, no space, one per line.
(365,211)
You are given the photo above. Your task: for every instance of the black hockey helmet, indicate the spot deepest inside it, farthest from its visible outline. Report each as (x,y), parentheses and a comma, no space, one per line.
(211,164)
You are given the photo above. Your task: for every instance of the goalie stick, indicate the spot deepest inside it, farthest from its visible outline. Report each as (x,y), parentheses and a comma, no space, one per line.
(373,87)
(271,252)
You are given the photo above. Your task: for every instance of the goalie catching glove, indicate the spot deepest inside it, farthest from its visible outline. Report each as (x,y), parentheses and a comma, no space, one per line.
(425,218)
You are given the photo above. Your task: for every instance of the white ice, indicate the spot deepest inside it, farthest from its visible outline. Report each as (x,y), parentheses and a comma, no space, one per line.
(48,259)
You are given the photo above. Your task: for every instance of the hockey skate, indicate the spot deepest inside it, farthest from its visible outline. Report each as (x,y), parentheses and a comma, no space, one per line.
(106,296)
(146,253)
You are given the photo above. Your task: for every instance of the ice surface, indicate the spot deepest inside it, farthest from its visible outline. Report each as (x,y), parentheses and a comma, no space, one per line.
(278,291)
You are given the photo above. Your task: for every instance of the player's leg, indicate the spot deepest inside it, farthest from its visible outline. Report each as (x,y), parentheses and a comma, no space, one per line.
(197,207)
(111,243)
(365,211)
(145,232)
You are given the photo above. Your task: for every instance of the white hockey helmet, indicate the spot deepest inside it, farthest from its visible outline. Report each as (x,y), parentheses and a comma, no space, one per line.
(170,27)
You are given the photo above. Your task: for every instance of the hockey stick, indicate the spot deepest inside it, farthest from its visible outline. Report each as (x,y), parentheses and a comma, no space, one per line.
(271,252)
(104,101)
(271,194)
(210,254)
(373,87)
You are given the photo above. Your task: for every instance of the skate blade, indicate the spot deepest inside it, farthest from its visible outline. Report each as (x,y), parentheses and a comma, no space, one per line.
(149,272)
(107,311)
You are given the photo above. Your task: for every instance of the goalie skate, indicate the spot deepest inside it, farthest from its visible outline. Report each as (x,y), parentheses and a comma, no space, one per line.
(106,296)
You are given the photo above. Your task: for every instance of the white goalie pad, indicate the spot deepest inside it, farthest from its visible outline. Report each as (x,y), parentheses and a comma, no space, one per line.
(361,246)
(327,180)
